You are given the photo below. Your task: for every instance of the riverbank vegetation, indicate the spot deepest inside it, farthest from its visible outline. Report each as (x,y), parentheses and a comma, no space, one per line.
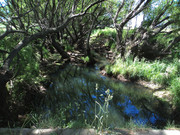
(164,72)
(38,39)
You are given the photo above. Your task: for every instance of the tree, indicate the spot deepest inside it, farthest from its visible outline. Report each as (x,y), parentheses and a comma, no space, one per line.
(143,41)
(130,13)
(33,20)
(148,41)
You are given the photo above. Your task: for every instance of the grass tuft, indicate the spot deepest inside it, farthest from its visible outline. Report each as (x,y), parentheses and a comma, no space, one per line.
(159,72)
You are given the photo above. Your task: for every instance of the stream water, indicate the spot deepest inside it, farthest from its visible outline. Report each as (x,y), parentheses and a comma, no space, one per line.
(80,93)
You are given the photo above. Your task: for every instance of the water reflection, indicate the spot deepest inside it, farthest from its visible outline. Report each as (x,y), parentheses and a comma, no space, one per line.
(74,89)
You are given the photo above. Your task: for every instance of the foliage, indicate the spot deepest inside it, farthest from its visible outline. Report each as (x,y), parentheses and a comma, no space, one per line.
(175,89)
(171,125)
(7,44)
(85,59)
(159,72)
(107,36)
(104,32)
(133,126)
(28,30)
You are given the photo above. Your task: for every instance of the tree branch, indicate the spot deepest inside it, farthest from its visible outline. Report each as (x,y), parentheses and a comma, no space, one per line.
(117,13)
(85,11)
(3,51)
(43,33)
(173,42)
(10,31)
(155,21)
(162,27)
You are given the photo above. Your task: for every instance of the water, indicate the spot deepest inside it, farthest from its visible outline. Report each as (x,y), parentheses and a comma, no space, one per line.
(74,92)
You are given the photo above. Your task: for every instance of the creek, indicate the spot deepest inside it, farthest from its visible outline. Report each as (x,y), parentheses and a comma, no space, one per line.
(80,93)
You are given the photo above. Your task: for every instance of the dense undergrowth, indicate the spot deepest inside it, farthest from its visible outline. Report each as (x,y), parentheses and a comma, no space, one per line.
(165,72)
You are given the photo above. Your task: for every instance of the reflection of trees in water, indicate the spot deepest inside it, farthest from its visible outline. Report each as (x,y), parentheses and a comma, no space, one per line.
(74,90)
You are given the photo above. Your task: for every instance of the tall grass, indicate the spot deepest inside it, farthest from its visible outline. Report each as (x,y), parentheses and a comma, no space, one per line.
(159,72)
(101,117)
(106,32)
(175,89)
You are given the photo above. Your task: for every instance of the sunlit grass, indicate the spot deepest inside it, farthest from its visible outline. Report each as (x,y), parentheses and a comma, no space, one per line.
(105,36)
(159,72)
(107,32)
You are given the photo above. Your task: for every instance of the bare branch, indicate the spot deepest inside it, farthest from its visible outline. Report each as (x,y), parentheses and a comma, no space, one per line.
(43,33)
(22,15)
(85,11)
(162,27)
(45,11)
(155,21)
(135,12)
(166,18)
(117,13)
(9,32)
(141,9)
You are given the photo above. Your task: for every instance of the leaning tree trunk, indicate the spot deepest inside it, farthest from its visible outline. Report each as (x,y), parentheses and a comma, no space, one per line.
(4,105)
(59,48)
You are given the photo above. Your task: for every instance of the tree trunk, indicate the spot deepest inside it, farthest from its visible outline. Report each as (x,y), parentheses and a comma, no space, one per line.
(120,44)
(59,48)
(4,105)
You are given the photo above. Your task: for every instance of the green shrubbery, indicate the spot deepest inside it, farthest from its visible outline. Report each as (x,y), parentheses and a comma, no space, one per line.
(106,36)
(105,32)
(175,89)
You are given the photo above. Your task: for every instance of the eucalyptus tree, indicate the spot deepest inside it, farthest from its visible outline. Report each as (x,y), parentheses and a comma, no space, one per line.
(32,20)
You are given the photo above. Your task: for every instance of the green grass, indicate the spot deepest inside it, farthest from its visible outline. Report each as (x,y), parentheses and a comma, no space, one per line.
(171,125)
(106,32)
(105,36)
(165,73)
